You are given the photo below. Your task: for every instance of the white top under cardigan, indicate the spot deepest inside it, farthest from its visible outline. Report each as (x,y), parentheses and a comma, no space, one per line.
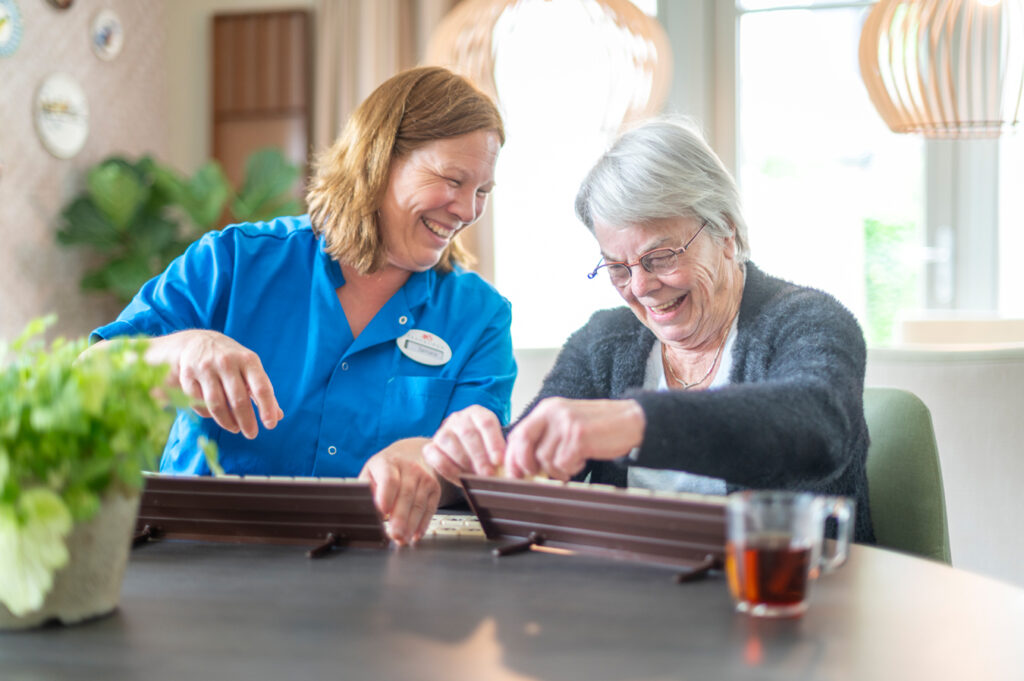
(680,481)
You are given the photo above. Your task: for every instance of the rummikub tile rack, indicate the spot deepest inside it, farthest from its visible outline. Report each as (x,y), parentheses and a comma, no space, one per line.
(318,512)
(668,528)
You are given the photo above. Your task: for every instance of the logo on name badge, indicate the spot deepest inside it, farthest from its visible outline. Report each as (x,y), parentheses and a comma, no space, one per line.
(424,347)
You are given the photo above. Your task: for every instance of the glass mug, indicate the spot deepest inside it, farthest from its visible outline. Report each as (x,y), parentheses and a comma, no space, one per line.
(774,548)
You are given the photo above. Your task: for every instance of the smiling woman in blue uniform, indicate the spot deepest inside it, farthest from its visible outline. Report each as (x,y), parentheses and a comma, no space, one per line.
(354,329)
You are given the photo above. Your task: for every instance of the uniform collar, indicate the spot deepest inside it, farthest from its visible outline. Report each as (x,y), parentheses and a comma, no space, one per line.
(416,289)
(397,316)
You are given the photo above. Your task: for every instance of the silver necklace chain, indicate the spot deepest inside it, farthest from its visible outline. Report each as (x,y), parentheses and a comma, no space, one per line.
(683,384)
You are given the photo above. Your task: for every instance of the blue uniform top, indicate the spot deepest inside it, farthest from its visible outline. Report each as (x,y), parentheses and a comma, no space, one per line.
(271,287)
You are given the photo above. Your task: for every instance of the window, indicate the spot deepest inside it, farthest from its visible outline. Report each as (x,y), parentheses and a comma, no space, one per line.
(1011,222)
(934,224)
(834,199)
(890,224)
(542,253)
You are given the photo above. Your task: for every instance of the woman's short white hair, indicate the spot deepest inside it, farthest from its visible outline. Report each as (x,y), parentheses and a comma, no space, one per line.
(660,169)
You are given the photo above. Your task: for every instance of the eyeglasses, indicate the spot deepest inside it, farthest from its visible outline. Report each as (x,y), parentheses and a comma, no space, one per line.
(660,261)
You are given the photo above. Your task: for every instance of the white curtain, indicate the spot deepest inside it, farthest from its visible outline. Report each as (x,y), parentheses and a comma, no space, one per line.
(359,45)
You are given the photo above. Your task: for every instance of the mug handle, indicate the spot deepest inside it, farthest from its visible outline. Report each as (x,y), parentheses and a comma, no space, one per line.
(842,509)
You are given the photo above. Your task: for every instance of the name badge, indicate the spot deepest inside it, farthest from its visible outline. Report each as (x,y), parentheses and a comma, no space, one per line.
(424,347)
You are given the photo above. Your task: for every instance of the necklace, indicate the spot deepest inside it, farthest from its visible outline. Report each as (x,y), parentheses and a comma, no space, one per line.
(683,384)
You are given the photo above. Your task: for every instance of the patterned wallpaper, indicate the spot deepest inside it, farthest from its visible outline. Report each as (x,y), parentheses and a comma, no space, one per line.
(127,115)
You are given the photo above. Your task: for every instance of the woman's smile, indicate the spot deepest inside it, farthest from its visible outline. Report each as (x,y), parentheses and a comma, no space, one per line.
(440,230)
(666,309)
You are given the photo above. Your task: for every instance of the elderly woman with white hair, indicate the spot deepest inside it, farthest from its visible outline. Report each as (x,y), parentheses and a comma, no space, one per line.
(714,377)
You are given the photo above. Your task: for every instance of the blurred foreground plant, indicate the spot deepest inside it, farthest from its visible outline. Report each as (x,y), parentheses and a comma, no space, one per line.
(73,428)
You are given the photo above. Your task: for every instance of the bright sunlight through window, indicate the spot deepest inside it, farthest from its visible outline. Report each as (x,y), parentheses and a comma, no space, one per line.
(542,252)
(834,199)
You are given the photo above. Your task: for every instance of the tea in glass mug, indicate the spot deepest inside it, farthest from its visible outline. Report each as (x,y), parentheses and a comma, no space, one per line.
(774,548)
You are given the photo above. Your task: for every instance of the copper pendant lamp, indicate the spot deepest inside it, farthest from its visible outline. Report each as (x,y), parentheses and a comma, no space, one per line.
(465,41)
(945,68)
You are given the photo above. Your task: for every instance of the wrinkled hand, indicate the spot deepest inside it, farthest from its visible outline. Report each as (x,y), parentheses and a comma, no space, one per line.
(559,435)
(468,441)
(222,376)
(405,488)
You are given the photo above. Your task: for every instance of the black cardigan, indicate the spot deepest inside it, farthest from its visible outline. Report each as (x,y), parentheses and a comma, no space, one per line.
(791,418)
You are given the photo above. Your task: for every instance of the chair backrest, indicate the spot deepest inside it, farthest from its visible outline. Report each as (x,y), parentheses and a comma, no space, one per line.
(908,505)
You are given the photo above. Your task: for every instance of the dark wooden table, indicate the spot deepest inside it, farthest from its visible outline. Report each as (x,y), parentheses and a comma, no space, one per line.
(448,610)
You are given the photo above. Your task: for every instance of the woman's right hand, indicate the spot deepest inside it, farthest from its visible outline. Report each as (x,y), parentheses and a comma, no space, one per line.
(468,441)
(221,375)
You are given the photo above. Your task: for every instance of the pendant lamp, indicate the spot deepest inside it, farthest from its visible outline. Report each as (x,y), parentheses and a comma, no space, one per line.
(468,39)
(945,68)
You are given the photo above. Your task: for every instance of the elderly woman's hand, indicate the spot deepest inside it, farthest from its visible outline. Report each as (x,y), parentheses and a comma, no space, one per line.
(468,441)
(559,435)
(222,376)
(405,488)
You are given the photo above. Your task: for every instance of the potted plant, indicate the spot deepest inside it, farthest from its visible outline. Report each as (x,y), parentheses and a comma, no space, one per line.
(138,215)
(76,432)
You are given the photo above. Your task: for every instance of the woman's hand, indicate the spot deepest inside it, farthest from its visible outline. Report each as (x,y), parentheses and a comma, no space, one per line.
(559,435)
(220,374)
(468,441)
(405,488)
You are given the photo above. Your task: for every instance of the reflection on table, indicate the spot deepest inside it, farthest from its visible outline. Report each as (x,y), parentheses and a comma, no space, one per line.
(447,609)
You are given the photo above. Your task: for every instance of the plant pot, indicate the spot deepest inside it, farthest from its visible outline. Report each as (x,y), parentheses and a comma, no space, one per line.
(90,584)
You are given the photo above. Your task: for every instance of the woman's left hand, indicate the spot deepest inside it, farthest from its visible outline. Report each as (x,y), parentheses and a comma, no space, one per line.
(559,435)
(405,488)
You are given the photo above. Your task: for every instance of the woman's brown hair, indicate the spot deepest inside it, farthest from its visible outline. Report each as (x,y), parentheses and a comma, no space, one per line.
(351,177)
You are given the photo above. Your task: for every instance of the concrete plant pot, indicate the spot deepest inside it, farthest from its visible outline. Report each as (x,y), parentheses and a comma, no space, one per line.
(89,585)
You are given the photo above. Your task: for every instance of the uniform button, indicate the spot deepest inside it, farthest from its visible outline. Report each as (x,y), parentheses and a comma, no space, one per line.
(332,450)
(403,320)
(344,366)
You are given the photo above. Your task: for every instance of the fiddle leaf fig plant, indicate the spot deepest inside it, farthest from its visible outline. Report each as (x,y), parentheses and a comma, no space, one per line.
(137,216)
(74,428)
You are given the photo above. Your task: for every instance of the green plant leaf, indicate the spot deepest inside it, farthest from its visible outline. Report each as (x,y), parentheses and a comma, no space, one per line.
(73,426)
(139,215)
(32,548)
(83,223)
(205,195)
(95,279)
(210,452)
(168,184)
(5,467)
(35,327)
(151,236)
(126,275)
(118,191)
(82,503)
(265,193)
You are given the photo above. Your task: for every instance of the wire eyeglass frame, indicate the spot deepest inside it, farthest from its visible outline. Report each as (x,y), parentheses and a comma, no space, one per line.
(651,261)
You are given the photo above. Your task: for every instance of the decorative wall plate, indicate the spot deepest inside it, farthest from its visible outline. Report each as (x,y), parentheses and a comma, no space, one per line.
(61,114)
(106,34)
(10,27)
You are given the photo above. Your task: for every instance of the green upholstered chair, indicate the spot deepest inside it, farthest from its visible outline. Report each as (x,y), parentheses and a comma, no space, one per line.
(908,506)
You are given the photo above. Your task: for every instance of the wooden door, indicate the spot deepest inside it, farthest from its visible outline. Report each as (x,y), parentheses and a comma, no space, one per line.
(261,88)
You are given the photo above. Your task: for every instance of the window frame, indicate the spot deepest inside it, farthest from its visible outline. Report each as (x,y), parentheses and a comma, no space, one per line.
(961,210)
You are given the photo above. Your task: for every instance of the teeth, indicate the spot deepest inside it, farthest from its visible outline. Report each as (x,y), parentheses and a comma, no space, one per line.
(438,229)
(667,306)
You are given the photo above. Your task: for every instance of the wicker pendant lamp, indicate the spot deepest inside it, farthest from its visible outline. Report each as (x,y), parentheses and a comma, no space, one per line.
(467,40)
(945,68)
